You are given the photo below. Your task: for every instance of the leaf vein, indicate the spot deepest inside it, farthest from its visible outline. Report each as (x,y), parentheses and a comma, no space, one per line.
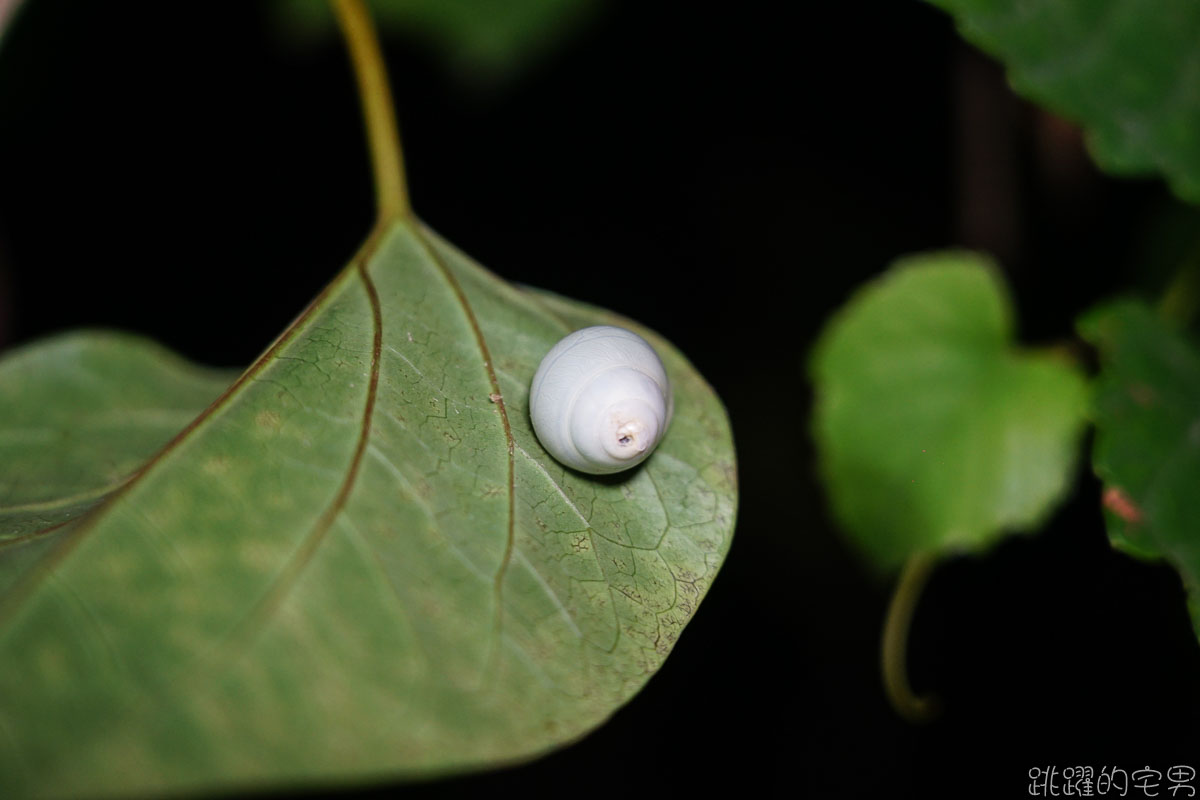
(481,342)
(303,556)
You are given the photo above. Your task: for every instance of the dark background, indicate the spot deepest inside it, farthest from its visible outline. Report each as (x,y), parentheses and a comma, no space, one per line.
(726,177)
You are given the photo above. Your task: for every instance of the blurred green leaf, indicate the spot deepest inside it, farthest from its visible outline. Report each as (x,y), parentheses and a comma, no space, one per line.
(79,415)
(81,412)
(1129,72)
(1147,449)
(357,564)
(934,431)
(481,39)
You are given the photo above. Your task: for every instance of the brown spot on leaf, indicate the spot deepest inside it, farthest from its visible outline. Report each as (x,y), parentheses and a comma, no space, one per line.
(267,419)
(1119,503)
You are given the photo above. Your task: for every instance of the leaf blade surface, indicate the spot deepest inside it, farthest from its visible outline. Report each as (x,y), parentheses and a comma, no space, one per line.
(933,431)
(1147,448)
(361,563)
(1127,71)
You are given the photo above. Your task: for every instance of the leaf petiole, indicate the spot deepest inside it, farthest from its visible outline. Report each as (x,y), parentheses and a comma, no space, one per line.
(383,138)
(894,654)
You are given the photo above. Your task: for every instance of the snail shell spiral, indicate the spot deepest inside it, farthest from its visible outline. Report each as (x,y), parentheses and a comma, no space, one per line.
(600,401)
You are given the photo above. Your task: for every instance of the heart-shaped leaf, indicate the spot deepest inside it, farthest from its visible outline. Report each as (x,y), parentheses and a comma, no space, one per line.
(934,431)
(1129,72)
(358,562)
(1147,448)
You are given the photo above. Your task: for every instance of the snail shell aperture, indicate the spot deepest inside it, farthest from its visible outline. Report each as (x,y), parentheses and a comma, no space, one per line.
(600,400)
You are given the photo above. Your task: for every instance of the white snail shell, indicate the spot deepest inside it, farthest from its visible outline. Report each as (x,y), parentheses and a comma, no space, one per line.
(600,400)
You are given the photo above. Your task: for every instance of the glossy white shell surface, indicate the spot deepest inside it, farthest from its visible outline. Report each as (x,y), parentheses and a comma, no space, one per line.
(600,401)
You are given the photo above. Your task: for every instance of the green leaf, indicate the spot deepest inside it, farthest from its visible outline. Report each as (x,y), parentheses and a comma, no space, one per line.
(1147,449)
(934,432)
(1127,70)
(358,563)
(80,413)
(480,38)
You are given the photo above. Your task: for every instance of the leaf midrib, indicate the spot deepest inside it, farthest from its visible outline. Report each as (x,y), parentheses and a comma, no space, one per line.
(497,397)
(15,598)
(303,556)
(97,492)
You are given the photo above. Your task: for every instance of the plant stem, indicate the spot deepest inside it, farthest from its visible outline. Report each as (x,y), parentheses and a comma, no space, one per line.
(895,641)
(387,160)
